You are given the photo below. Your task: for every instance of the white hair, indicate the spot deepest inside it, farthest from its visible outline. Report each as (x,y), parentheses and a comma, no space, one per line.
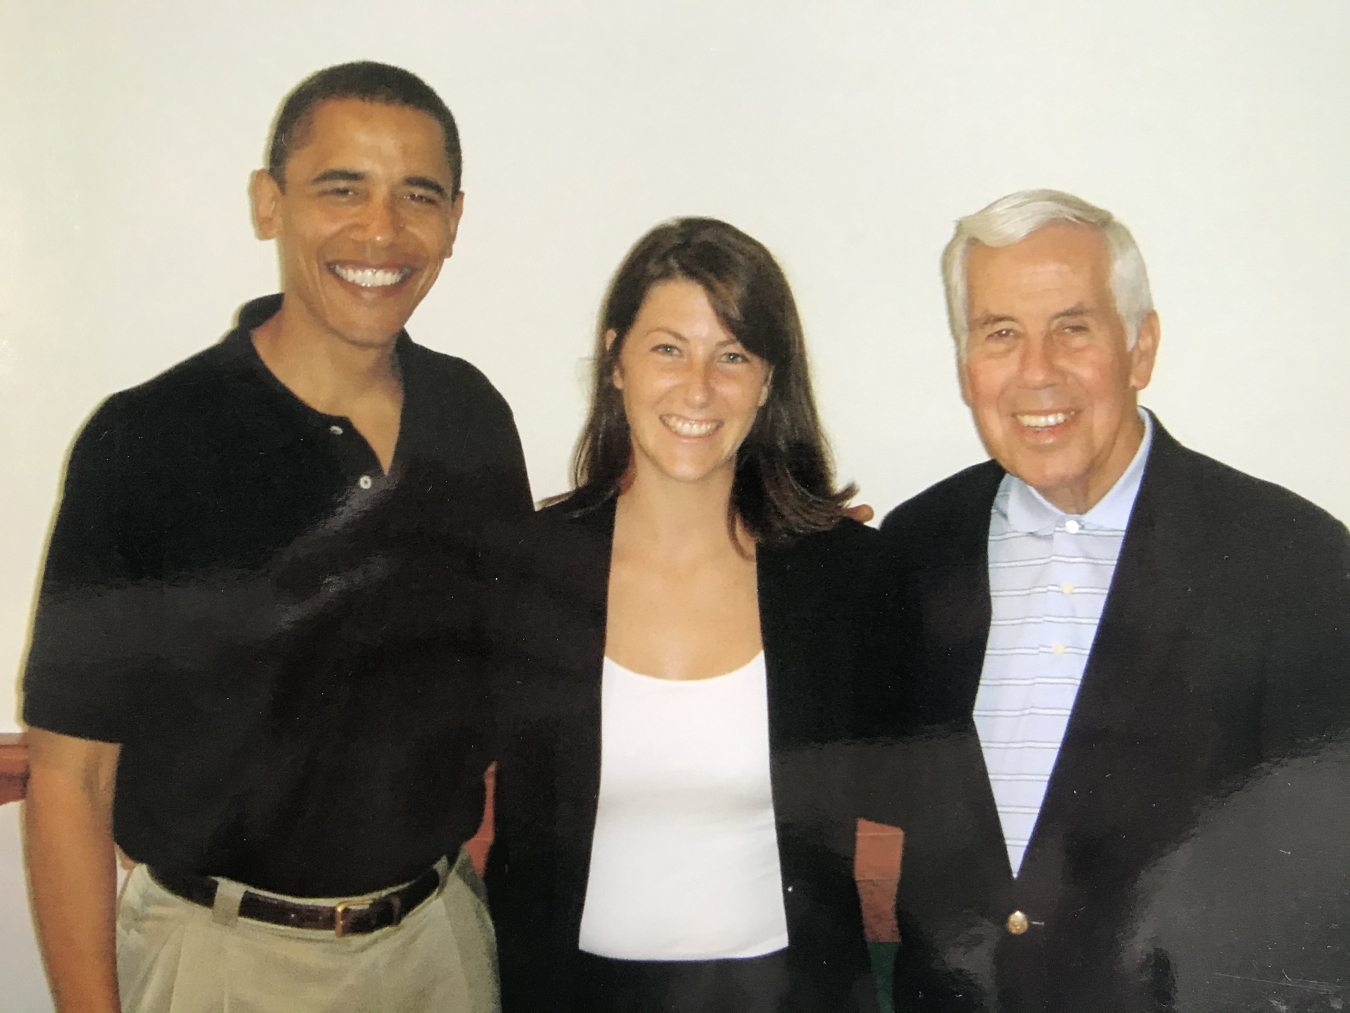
(1011,219)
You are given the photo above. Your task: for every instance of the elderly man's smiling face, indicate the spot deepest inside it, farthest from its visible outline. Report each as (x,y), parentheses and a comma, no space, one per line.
(1048,372)
(366,218)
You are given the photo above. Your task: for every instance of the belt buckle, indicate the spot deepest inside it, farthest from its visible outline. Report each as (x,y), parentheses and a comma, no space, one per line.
(343,906)
(340,909)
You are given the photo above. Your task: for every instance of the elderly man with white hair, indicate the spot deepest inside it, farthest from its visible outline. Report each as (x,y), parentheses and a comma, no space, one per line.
(1118,672)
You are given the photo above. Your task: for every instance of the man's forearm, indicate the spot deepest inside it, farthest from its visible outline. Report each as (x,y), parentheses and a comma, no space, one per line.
(72,871)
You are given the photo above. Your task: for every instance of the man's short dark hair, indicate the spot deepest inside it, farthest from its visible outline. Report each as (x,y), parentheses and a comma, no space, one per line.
(369,82)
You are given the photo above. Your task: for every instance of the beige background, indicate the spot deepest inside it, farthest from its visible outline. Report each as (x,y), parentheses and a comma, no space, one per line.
(847,136)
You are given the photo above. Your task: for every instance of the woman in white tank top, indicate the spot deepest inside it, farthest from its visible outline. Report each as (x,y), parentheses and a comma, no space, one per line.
(651,856)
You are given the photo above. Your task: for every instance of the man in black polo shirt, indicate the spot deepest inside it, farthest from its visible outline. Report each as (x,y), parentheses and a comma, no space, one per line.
(255,662)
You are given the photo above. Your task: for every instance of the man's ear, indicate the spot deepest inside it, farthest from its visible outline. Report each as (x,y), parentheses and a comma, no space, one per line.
(615,377)
(963,378)
(265,195)
(456,212)
(1145,351)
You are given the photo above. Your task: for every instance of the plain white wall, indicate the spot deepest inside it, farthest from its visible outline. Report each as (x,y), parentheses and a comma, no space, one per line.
(847,137)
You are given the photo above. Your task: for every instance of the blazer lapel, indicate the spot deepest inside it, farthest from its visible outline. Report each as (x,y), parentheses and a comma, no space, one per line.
(584,587)
(1129,724)
(948,594)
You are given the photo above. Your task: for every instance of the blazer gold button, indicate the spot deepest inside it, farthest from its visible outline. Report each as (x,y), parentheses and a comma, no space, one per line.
(1017,923)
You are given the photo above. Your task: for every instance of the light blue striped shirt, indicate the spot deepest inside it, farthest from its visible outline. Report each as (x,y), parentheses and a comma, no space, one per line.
(1049,573)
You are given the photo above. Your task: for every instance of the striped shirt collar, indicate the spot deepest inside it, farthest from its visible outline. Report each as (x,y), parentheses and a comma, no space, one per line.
(1028,511)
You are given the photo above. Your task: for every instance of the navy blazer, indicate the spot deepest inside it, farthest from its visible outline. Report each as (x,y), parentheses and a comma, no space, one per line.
(1192,849)
(813,616)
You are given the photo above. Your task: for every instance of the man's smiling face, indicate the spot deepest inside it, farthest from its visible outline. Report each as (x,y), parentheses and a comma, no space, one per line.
(364,222)
(1049,374)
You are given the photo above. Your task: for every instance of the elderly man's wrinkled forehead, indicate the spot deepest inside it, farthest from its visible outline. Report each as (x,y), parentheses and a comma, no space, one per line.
(1057,262)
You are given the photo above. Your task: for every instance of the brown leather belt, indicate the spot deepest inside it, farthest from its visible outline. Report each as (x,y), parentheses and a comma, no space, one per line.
(345,918)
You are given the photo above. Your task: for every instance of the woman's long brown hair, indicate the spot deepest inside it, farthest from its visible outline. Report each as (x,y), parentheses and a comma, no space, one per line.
(784,484)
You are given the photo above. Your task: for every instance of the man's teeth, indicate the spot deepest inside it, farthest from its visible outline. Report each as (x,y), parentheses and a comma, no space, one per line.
(1043,421)
(370,277)
(689,427)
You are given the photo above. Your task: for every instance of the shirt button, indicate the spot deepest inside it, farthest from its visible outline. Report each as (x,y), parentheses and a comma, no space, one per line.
(364,482)
(335,430)
(1072,527)
(1057,649)
(1017,923)
(1066,587)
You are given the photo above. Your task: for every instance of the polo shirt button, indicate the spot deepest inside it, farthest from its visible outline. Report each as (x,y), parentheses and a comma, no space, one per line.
(1071,527)
(1017,923)
(364,482)
(1066,587)
(1057,649)
(335,430)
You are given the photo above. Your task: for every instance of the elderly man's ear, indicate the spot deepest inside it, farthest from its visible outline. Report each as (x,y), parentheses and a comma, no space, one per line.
(1145,351)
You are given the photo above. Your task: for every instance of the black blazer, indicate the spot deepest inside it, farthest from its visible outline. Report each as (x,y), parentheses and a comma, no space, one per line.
(813,615)
(1191,849)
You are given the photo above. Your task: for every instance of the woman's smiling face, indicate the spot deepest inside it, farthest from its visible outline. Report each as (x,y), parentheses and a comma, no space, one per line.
(690,389)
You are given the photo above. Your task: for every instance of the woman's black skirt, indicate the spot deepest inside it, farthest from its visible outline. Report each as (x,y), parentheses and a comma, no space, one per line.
(738,985)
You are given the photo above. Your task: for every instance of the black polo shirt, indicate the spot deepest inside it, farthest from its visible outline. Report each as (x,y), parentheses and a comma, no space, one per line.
(285,641)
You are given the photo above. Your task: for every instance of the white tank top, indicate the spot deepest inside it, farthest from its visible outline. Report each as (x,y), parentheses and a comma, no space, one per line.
(684,864)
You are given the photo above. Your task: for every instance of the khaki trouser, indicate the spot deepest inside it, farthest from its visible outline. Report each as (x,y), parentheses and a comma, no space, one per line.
(174,956)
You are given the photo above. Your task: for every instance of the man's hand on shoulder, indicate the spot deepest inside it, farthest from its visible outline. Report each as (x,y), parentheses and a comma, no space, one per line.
(862,512)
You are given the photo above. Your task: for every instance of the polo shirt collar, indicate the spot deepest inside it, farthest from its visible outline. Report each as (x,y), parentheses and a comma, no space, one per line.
(1029,512)
(256,312)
